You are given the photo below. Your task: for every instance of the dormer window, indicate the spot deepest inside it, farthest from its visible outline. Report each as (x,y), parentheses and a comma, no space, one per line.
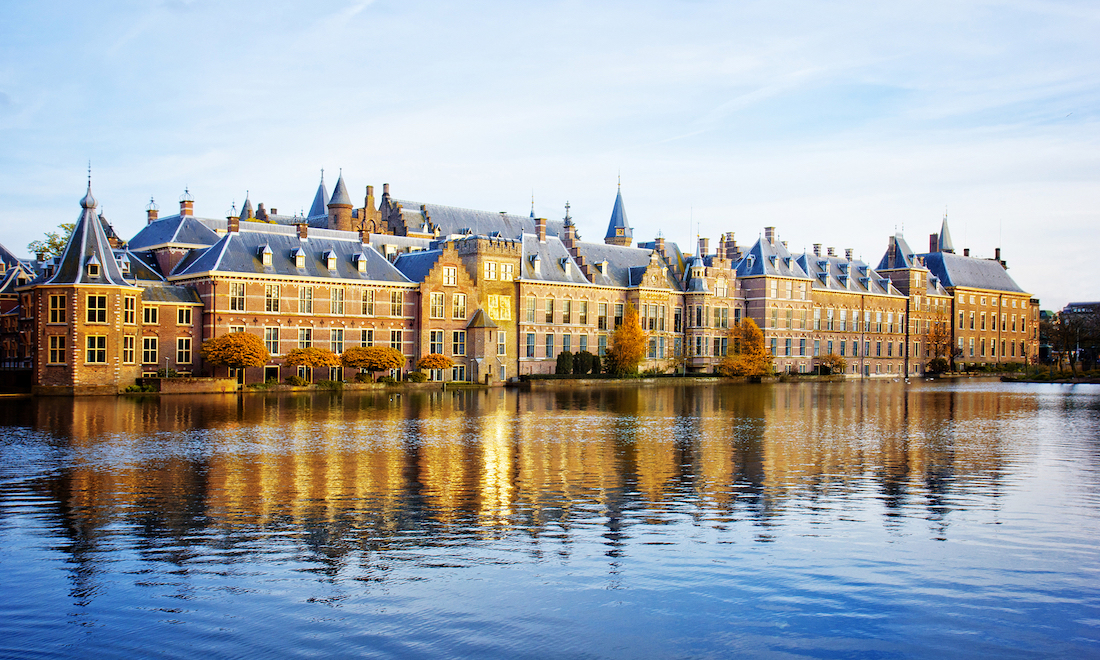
(564,261)
(603,267)
(751,259)
(330,260)
(93,266)
(124,265)
(265,255)
(361,262)
(299,258)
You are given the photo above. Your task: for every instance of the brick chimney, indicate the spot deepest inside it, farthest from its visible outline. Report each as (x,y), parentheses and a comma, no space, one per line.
(303,230)
(152,212)
(831,252)
(966,252)
(540,229)
(933,242)
(232,224)
(769,234)
(848,253)
(187,203)
(704,247)
(817,249)
(364,236)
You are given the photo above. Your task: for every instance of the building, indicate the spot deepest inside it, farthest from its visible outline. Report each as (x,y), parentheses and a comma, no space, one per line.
(500,294)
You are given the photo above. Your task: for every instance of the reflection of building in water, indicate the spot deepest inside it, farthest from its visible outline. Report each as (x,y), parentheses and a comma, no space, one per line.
(359,469)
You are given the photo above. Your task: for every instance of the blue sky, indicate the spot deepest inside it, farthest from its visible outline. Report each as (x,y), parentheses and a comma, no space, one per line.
(836,122)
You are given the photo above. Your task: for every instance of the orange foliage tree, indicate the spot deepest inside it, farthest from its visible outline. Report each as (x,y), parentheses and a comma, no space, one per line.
(435,361)
(236,350)
(749,357)
(311,357)
(373,358)
(628,345)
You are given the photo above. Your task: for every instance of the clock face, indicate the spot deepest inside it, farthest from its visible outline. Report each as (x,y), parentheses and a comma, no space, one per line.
(619,231)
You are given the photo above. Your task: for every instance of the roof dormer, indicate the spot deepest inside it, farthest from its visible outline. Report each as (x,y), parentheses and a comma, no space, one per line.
(299,258)
(360,262)
(330,260)
(265,255)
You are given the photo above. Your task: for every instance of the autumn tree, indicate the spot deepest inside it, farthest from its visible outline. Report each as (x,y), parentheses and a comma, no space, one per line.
(434,361)
(373,358)
(235,350)
(749,356)
(834,363)
(938,338)
(311,357)
(628,345)
(54,242)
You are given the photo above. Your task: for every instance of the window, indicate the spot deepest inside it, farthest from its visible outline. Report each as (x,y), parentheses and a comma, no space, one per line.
(502,346)
(236,328)
(458,372)
(435,341)
(601,345)
(128,351)
(651,351)
(817,347)
(601,317)
(490,270)
(802,347)
(57,349)
(271,340)
(566,311)
(983,320)
(97,309)
(236,296)
(582,312)
(183,350)
(889,349)
(397,303)
(397,340)
(57,309)
(336,340)
(97,349)
(507,272)
(549,344)
(878,349)
(305,300)
(567,343)
(337,301)
(961,322)
(183,316)
(129,310)
(549,310)
(787,346)
(531,309)
(148,350)
(367,338)
(368,302)
(450,276)
(458,306)
(678,319)
(305,337)
(774,343)
(971,320)
(271,298)
(458,342)
(435,308)
(618,315)
(530,344)
(660,347)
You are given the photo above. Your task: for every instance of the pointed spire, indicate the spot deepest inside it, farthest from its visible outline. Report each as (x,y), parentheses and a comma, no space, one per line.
(618,230)
(88,256)
(320,200)
(532,204)
(340,196)
(246,209)
(945,237)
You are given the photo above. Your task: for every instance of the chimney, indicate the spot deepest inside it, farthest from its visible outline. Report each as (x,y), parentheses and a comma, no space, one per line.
(274,211)
(39,256)
(364,236)
(996,254)
(704,247)
(303,230)
(933,242)
(261,213)
(369,200)
(817,249)
(832,252)
(385,190)
(966,252)
(769,234)
(848,254)
(187,203)
(233,224)
(152,211)
(659,244)
(540,229)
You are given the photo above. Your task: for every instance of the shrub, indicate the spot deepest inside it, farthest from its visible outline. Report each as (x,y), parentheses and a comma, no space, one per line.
(167,373)
(582,362)
(364,377)
(388,380)
(565,363)
(417,377)
(936,366)
(329,385)
(296,381)
(653,371)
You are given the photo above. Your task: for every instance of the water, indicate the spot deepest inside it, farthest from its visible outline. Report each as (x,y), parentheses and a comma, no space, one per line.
(872,520)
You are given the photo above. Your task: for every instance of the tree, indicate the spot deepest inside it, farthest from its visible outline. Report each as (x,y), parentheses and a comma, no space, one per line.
(1065,332)
(235,350)
(628,345)
(311,357)
(434,361)
(834,363)
(564,365)
(938,338)
(54,242)
(749,357)
(582,363)
(373,358)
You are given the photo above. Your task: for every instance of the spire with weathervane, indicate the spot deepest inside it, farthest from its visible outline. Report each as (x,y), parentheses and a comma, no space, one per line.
(618,230)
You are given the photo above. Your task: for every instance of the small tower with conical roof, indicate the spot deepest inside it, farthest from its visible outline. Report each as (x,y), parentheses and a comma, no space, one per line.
(618,230)
(945,237)
(320,200)
(339,207)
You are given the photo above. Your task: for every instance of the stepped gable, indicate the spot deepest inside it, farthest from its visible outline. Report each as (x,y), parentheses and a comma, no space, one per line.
(971,272)
(452,220)
(417,265)
(240,252)
(549,261)
(88,245)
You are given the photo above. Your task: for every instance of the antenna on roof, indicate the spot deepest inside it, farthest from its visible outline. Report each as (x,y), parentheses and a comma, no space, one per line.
(322,177)
(89,172)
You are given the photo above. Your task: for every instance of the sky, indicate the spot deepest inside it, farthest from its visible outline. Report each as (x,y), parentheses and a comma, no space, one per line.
(838,123)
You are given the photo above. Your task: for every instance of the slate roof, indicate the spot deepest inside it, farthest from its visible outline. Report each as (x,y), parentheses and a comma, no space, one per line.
(320,200)
(175,231)
(239,252)
(945,238)
(15,276)
(87,244)
(955,270)
(625,265)
(555,264)
(168,293)
(840,274)
(765,258)
(339,194)
(618,218)
(481,320)
(693,283)
(417,265)
(898,255)
(7,257)
(143,266)
(454,220)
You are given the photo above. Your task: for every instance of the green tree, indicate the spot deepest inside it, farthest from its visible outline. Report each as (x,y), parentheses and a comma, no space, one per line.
(750,357)
(565,363)
(235,350)
(373,358)
(628,345)
(582,363)
(53,244)
(434,361)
